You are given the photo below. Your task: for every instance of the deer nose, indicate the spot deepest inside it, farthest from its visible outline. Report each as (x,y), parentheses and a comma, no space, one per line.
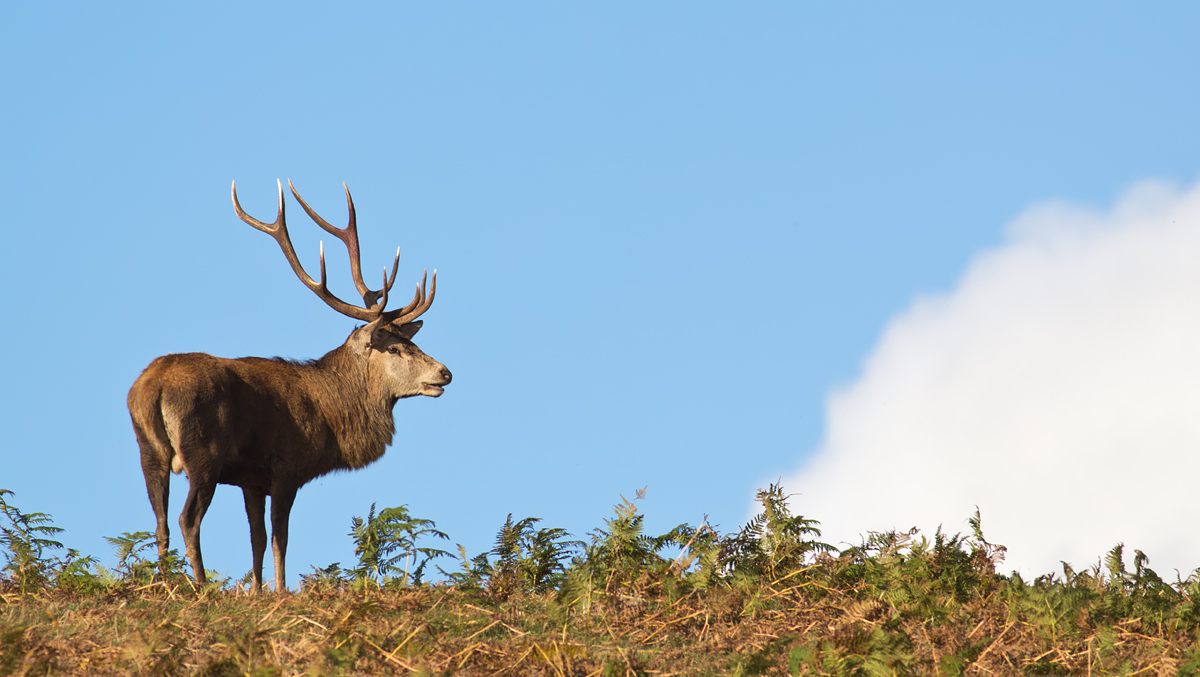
(446,374)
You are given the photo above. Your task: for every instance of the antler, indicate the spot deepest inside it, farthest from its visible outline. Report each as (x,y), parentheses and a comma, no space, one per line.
(418,306)
(349,237)
(374,301)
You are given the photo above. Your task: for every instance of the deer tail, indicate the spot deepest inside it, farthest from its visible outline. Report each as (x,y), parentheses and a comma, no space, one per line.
(151,421)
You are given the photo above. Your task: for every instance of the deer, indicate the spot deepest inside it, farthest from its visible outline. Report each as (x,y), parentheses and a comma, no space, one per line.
(272,425)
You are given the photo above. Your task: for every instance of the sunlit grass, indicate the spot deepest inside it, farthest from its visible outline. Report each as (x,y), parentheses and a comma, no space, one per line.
(768,599)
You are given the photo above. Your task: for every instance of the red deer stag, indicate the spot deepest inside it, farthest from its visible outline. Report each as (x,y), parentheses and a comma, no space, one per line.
(270,426)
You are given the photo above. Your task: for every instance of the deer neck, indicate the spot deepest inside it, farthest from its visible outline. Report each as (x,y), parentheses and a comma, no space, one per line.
(361,416)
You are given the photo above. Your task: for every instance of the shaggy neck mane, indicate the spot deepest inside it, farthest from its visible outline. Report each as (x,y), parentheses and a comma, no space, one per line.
(359,415)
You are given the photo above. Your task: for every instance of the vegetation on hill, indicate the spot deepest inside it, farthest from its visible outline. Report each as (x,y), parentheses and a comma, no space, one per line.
(768,599)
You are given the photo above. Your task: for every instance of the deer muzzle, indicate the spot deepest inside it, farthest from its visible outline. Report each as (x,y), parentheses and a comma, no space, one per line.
(435,389)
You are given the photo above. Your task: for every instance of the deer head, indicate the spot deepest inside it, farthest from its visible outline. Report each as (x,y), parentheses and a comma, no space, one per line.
(396,368)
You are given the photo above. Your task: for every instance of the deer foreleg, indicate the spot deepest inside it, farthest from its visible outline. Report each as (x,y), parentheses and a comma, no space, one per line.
(256,508)
(281,509)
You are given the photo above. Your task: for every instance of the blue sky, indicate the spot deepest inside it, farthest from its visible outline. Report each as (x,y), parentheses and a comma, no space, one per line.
(666,234)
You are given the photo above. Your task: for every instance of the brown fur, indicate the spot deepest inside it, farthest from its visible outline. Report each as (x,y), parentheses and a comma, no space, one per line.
(270,426)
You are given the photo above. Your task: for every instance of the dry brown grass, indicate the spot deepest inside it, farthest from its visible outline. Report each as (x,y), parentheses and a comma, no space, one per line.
(764,601)
(804,624)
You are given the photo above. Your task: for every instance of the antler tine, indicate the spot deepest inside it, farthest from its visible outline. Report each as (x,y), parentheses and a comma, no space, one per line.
(387,286)
(278,230)
(420,296)
(419,304)
(349,237)
(264,227)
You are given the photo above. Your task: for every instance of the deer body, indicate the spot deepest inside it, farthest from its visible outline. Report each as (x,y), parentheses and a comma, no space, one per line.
(270,426)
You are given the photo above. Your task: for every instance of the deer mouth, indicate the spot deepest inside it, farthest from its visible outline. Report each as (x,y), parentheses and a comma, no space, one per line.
(430,390)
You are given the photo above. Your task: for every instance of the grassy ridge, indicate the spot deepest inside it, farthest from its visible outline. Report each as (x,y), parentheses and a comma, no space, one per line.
(768,599)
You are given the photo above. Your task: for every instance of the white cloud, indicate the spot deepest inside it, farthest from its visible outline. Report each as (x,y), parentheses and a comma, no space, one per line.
(1057,387)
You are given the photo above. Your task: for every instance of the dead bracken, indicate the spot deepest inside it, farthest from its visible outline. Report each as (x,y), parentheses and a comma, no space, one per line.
(767,599)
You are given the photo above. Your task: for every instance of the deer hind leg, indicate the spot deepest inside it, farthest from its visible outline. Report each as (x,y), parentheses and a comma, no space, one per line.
(200,493)
(158,486)
(256,509)
(281,509)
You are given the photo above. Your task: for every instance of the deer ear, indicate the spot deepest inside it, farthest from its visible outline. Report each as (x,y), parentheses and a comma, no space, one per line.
(370,334)
(409,329)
